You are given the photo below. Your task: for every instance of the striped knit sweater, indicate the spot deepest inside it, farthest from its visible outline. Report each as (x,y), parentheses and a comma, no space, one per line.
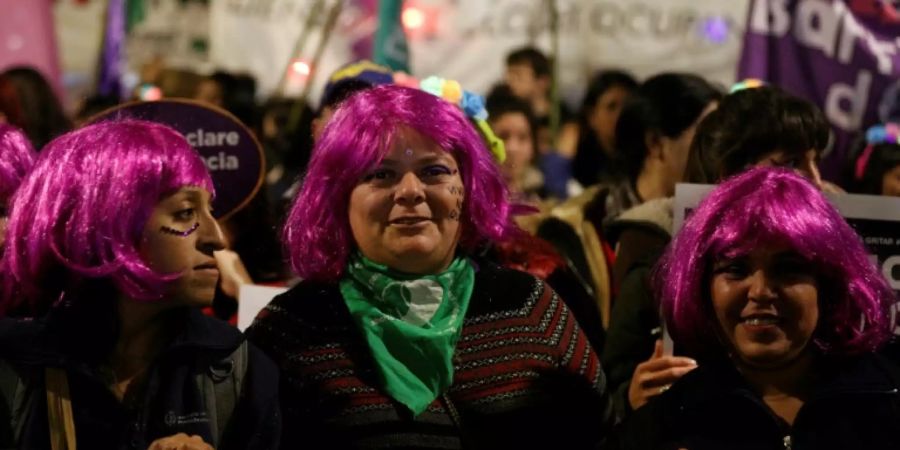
(525,375)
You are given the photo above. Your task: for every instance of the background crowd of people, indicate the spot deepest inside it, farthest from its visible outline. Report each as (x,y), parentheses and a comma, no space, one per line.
(445,291)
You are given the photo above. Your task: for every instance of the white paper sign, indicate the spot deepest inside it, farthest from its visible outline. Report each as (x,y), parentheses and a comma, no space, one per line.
(253,298)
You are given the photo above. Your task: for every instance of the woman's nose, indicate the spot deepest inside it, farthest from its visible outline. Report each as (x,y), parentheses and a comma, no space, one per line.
(762,288)
(210,237)
(410,190)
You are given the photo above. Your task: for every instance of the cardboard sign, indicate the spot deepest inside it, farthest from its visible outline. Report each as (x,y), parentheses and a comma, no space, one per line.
(231,152)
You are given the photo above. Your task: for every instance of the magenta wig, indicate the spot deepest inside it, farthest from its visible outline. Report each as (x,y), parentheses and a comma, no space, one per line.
(16,159)
(774,205)
(317,230)
(81,212)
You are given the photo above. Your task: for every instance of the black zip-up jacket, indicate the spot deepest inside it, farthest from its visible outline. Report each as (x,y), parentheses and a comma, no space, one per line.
(855,405)
(171,400)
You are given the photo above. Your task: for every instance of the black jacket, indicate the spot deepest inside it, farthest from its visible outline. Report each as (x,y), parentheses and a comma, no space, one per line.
(172,401)
(854,405)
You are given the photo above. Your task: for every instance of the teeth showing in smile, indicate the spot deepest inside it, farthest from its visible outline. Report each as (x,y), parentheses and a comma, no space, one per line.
(409,220)
(761,321)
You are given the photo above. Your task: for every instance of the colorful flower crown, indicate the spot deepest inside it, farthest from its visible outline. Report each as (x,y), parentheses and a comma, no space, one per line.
(888,133)
(748,83)
(471,104)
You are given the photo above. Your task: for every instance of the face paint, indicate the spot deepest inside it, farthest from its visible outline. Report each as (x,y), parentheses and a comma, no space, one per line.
(175,232)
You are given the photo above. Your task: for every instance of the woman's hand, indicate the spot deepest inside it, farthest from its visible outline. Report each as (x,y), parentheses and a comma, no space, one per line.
(180,441)
(232,273)
(655,375)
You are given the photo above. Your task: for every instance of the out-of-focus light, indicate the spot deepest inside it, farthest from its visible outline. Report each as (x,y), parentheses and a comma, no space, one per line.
(149,93)
(413,18)
(715,29)
(301,68)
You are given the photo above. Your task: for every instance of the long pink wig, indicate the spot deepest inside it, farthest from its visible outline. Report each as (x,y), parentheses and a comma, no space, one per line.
(317,231)
(16,158)
(768,205)
(81,212)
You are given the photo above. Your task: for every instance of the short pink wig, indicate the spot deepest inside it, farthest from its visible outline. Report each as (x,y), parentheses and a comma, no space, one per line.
(16,158)
(774,205)
(317,230)
(81,212)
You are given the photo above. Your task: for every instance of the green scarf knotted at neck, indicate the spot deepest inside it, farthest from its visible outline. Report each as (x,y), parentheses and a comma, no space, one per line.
(411,324)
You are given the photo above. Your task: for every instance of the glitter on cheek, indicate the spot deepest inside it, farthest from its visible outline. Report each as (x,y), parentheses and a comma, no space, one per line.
(175,232)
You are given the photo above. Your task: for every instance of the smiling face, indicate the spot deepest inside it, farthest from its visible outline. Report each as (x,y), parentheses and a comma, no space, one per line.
(766,303)
(180,237)
(406,212)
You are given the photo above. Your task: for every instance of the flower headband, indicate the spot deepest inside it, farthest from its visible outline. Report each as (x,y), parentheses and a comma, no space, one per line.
(748,83)
(888,133)
(471,104)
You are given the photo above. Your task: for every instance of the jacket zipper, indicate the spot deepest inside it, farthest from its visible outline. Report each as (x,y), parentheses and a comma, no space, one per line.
(787,442)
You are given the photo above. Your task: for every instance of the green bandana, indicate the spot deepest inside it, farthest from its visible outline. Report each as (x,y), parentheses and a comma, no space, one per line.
(411,324)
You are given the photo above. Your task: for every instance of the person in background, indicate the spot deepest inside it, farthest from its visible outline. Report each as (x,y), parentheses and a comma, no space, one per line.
(529,76)
(654,132)
(399,335)
(16,158)
(593,140)
(773,295)
(27,102)
(876,169)
(511,119)
(109,255)
(762,126)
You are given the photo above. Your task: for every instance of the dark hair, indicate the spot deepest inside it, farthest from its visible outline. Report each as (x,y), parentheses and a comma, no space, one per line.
(342,91)
(531,56)
(666,104)
(749,124)
(882,158)
(590,156)
(29,103)
(500,100)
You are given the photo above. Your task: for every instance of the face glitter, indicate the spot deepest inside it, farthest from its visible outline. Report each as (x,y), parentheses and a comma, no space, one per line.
(175,232)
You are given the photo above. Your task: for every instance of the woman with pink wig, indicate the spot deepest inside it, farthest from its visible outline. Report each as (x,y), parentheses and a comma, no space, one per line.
(16,159)
(400,335)
(775,297)
(109,254)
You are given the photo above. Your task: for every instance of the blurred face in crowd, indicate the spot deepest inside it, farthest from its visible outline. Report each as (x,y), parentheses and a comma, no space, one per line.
(406,212)
(522,81)
(208,91)
(890,182)
(515,131)
(180,237)
(605,114)
(805,164)
(766,303)
(318,124)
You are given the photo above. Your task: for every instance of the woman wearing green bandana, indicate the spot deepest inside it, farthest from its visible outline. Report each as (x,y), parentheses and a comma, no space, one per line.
(399,336)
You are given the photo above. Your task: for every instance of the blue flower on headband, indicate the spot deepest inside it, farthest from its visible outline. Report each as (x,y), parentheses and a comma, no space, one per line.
(883,134)
(473,105)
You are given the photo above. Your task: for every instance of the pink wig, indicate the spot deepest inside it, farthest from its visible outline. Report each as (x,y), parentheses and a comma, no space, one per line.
(774,205)
(317,230)
(80,213)
(16,159)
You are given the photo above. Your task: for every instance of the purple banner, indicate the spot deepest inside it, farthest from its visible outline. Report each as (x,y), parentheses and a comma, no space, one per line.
(232,154)
(841,54)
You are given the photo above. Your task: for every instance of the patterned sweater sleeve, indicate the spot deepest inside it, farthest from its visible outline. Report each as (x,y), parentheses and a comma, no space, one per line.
(579,364)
